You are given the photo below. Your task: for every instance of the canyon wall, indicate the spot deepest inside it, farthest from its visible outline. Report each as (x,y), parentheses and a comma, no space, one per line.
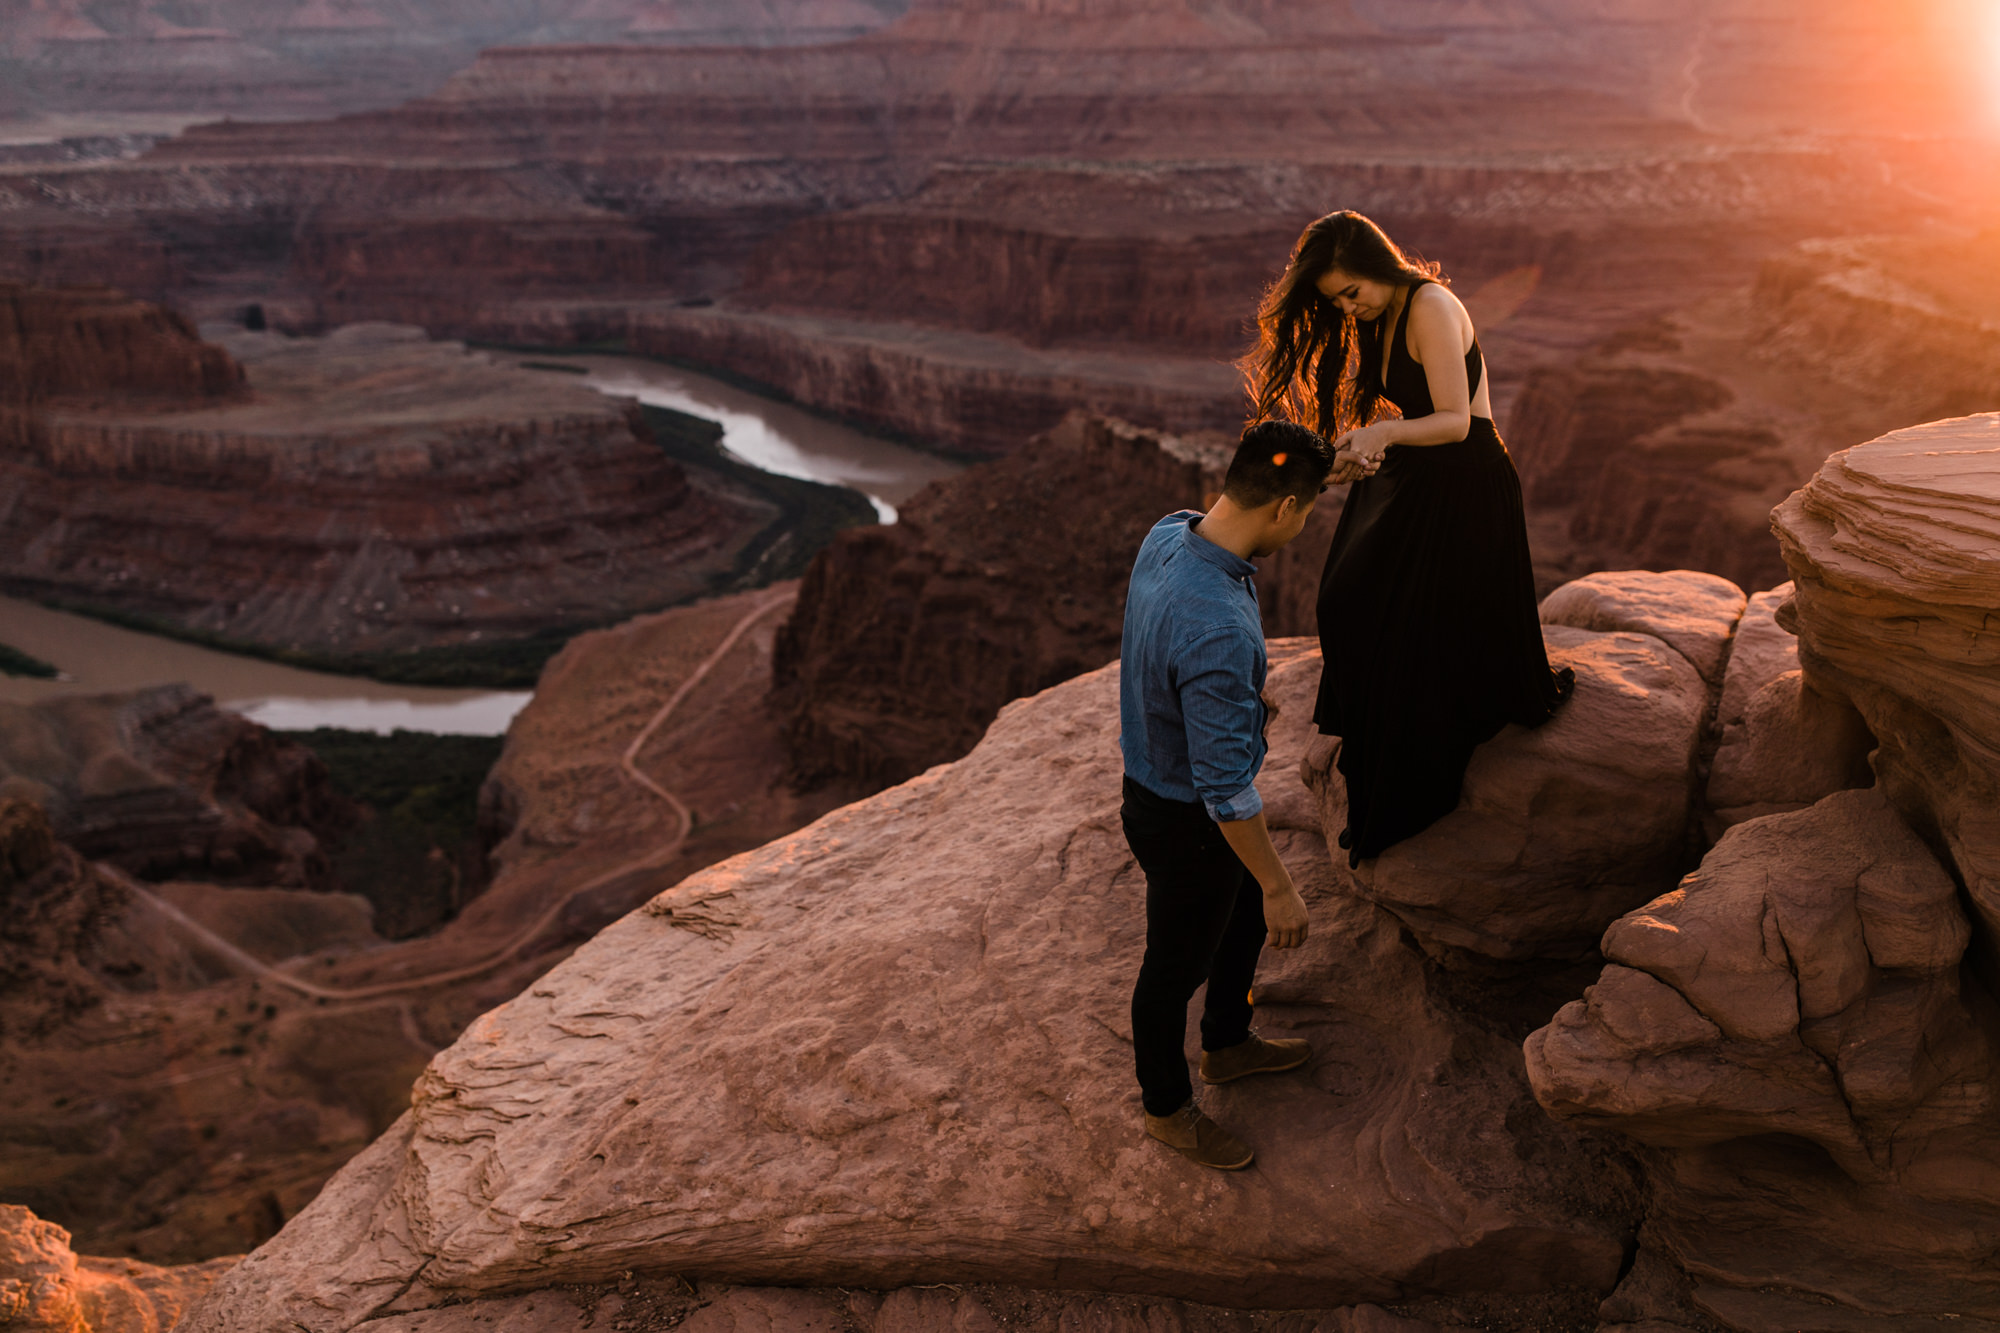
(369,493)
(98,346)
(1667,444)
(1072,207)
(66,59)
(996,584)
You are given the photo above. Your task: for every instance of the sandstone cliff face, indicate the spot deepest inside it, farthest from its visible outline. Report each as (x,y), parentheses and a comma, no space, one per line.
(98,345)
(993,585)
(371,493)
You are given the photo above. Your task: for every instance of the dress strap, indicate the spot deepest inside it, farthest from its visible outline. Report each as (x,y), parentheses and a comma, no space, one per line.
(1403,325)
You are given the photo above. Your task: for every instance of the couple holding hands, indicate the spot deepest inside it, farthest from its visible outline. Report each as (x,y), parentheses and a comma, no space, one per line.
(1427,622)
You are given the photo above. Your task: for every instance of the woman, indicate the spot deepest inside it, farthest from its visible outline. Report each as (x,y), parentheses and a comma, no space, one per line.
(1427,619)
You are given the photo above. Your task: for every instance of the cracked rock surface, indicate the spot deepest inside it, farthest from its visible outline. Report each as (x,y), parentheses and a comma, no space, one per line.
(893,1048)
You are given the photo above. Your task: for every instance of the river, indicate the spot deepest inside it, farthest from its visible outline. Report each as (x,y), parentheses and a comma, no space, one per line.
(771,435)
(96,658)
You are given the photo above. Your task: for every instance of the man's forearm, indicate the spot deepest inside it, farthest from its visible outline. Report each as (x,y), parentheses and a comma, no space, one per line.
(1251,841)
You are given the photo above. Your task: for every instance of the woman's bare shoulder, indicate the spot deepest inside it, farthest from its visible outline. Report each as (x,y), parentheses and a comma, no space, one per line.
(1435,299)
(1436,311)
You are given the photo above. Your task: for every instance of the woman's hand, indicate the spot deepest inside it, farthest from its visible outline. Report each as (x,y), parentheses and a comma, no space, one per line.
(1350,466)
(1368,442)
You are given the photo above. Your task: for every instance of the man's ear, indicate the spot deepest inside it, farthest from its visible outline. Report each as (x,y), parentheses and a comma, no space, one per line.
(1287,506)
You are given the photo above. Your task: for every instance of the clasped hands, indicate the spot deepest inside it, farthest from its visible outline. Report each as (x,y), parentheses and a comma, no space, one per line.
(1358,453)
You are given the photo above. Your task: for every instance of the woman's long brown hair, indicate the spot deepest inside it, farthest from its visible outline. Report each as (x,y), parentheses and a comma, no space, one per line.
(1300,368)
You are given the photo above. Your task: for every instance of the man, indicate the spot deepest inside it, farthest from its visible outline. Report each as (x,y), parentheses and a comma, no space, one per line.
(1192,720)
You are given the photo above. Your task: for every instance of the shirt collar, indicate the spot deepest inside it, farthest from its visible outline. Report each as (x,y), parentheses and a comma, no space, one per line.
(1228,562)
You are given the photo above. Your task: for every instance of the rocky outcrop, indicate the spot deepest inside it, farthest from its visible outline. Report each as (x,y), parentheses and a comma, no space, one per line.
(1891,547)
(1800,1029)
(98,345)
(992,585)
(164,784)
(373,494)
(53,908)
(710,1088)
(1606,788)
(1669,738)
(45,1287)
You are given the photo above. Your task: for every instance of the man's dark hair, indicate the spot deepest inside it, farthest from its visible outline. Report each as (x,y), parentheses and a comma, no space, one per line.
(1277,458)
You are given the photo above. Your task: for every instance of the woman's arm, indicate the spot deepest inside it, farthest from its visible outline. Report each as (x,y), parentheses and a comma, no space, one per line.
(1438,340)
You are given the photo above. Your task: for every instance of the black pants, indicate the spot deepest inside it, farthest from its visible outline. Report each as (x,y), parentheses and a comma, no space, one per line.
(1204,923)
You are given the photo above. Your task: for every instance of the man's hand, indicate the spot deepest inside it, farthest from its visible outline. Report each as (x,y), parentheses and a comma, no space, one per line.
(1284,916)
(1352,465)
(1284,910)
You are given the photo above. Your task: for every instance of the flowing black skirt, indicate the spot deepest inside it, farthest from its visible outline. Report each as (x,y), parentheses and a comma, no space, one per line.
(1430,637)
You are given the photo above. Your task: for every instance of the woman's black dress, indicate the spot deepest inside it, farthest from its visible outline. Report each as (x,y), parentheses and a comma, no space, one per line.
(1427,619)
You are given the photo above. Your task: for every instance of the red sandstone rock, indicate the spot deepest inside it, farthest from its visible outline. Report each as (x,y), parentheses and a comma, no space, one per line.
(47,1288)
(163,783)
(97,346)
(1792,746)
(710,1087)
(1695,614)
(375,493)
(957,1308)
(1801,1025)
(1761,651)
(1804,982)
(1561,828)
(1893,552)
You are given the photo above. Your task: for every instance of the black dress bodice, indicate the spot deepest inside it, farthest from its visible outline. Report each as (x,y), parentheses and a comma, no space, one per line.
(1403,380)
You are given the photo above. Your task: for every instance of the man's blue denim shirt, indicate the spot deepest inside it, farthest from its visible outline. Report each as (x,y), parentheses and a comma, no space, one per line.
(1189,693)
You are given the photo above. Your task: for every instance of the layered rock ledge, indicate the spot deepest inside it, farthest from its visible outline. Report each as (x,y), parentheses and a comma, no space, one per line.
(367,493)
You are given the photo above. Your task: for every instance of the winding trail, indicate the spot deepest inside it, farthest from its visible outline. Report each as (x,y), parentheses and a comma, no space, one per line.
(628,765)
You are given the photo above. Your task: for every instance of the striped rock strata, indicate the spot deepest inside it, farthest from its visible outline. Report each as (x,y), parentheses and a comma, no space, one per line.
(1895,550)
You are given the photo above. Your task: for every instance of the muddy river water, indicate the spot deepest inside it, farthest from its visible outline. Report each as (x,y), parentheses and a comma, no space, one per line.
(95,657)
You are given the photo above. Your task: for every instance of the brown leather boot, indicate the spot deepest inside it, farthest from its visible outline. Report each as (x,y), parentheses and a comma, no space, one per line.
(1199,1139)
(1255,1056)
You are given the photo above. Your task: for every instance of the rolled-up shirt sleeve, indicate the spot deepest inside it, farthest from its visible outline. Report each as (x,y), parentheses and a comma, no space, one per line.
(1224,719)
